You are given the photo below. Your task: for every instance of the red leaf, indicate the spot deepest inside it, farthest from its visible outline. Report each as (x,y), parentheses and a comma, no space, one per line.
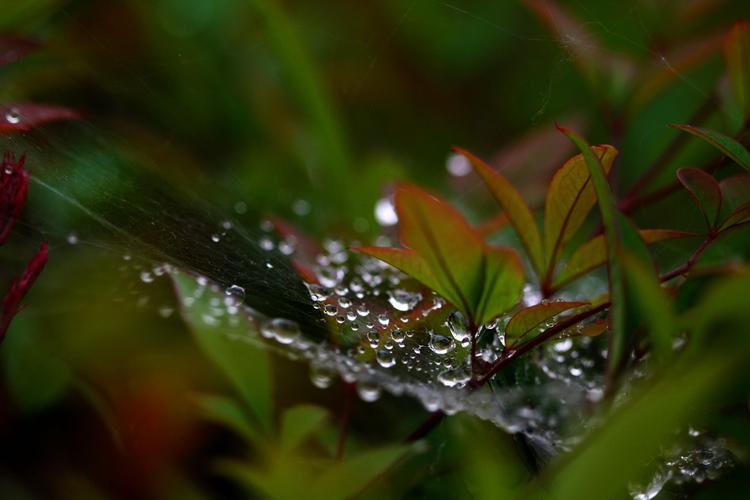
(23,116)
(20,287)
(13,48)
(14,183)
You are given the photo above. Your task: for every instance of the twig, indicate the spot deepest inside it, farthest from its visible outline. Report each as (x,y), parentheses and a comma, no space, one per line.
(436,417)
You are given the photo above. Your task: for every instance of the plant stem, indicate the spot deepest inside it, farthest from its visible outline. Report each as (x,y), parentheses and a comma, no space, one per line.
(437,416)
(473,330)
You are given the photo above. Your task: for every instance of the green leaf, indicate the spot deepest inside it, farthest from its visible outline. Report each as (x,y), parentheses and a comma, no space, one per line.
(346,479)
(299,423)
(226,412)
(735,191)
(741,214)
(653,303)
(570,198)
(527,319)
(503,283)
(515,207)
(593,254)
(449,256)
(620,236)
(737,56)
(730,147)
(705,191)
(247,367)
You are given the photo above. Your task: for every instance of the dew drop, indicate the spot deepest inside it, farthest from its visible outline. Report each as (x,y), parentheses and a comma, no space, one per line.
(368,391)
(440,344)
(13,116)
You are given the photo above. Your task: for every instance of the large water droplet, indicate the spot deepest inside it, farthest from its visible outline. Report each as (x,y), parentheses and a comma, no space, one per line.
(403,301)
(368,391)
(440,344)
(285,331)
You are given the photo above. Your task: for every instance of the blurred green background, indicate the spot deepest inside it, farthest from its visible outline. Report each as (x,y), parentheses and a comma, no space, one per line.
(310,110)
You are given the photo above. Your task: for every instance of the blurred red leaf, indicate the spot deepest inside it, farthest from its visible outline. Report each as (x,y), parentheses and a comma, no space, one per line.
(14,183)
(13,48)
(23,116)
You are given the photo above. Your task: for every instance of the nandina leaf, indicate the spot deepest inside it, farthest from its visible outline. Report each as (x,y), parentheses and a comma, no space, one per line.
(20,287)
(449,256)
(740,214)
(730,147)
(14,184)
(620,236)
(652,303)
(737,56)
(705,191)
(593,254)
(570,198)
(23,116)
(503,283)
(412,264)
(514,206)
(12,48)
(527,319)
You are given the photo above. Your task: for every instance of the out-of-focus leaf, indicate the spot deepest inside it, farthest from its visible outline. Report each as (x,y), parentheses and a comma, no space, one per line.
(299,422)
(23,116)
(737,55)
(593,253)
(12,48)
(730,147)
(527,319)
(735,192)
(570,198)
(653,303)
(514,206)
(740,214)
(225,411)
(247,367)
(450,257)
(614,455)
(346,479)
(705,191)
(620,236)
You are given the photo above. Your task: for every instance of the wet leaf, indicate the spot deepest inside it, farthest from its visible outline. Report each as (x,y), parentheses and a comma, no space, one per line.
(514,206)
(705,192)
(247,367)
(527,319)
(593,254)
(737,56)
(449,256)
(727,145)
(23,116)
(570,198)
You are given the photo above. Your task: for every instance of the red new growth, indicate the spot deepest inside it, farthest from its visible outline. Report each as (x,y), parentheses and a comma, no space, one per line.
(20,287)
(14,183)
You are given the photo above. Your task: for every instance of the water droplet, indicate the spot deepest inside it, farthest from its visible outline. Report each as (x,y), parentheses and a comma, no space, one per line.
(383,319)
(403,301)
(440,344)
(13,116)
(285,331)
(385,212)
(301,207)
(368,391)
(72,239)
(166,311)
(318,293)
(215,238)
(322,376)
(385,358)
(362,310)
(330,310)
(458,326)
(457,165)
(563,345)
(147,277)
(456,377)
(236,293)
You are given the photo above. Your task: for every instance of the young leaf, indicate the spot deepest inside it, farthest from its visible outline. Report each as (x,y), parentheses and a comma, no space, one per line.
(447,255)
(620,236)
(730,147)
(23,116)
(527,319)
(299,423)
(735,192)
(569,200)
(247,367)
(705,192)
(514,206)
(593,254)
(737,56)
(740,214)
(12,48)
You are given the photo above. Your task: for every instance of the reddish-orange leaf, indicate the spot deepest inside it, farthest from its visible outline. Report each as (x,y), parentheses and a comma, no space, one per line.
(593,254)
(705,191)
(570,198)
(527,319)
(515,207)
(23,116)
